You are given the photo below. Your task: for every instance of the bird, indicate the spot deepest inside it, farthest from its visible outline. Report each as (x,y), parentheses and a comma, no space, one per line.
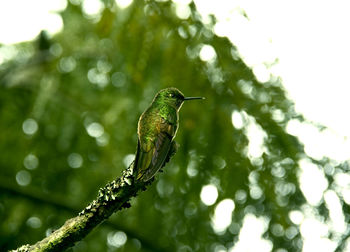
(156,130)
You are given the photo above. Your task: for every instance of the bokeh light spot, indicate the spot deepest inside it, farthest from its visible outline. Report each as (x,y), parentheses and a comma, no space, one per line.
(278,115)
(23,178)
(31,162)
(75,160)
(207,53)
(219,162)
(277,230)
(98,78)
(291,232)
(122,4)
(223,215)
(118,79)
(128,159)
(191,169)
(30,126)
(56,50)
(164,188)
(237,120)
(311,172)
(102,140)
(116,239)
(335,211)
(209,194)
(252,230)
(92,7)
(34,222)
(190,210)
(240,196)
(255,191)
(95,129)
(182,10)
(67,64)
(137,244)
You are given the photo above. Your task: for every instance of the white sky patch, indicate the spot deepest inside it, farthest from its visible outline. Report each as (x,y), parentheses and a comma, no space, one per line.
(346,195)
(223,215)
(347,245)
(312,182)
(342,179)
(319,144)
(250,235)
(314,234)
(209,194)
(256,136)
(334,206)
(313,57)
(343,182)
(22,20)
(261,73)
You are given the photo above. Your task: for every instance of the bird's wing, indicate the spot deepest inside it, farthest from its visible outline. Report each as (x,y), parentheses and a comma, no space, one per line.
(152,154)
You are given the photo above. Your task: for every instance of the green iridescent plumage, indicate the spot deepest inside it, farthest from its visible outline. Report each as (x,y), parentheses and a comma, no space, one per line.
(157,128)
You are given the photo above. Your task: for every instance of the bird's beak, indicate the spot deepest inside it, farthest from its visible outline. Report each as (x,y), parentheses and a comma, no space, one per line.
(193,98)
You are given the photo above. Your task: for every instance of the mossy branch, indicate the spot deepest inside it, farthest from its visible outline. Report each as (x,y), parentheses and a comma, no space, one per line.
(113,197)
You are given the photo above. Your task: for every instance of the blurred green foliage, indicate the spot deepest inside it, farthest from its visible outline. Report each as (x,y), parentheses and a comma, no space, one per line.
(69,107)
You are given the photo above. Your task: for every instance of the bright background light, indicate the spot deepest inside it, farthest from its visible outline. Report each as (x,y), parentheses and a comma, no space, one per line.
(23,20)
(209,194)
(306,43)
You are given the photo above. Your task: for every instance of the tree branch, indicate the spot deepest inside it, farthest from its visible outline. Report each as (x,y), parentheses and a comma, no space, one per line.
(59,203)
(111,198)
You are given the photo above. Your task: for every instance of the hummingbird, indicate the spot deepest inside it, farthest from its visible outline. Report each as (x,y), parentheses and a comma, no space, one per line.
(156,131)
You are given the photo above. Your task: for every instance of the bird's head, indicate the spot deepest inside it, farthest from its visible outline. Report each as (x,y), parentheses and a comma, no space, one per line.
(172,97)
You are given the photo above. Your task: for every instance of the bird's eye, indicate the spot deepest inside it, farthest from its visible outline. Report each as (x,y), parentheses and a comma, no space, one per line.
(171,95)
